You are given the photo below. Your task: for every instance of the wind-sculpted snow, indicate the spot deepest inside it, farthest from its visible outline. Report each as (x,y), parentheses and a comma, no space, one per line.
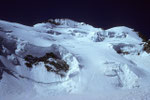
(24,49)
(64,58)
(124,75)
(116,33)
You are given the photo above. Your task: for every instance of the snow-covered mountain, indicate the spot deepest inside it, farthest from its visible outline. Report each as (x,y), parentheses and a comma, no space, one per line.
(64,59)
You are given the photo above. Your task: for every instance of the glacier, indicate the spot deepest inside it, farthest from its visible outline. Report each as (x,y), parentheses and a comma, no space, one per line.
(65,59)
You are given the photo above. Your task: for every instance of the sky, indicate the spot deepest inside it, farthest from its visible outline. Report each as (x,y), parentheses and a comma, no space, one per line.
(99,13)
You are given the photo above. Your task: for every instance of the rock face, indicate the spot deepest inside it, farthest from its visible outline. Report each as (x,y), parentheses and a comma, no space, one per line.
(99,36)
(66,22)
(147,47)
(126,49)
(51,62)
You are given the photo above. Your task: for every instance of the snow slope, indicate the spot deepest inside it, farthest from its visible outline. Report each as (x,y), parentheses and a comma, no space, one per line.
(64,59)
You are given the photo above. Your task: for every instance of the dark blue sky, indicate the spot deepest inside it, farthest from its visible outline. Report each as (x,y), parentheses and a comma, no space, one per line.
(99,13)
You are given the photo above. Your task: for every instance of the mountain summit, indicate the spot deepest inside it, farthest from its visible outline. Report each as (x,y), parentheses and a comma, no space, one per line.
(62,57)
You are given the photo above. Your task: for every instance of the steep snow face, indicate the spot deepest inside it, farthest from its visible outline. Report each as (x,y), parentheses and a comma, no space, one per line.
(63,57)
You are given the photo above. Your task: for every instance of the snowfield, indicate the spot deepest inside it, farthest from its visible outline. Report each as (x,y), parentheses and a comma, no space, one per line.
(69,60)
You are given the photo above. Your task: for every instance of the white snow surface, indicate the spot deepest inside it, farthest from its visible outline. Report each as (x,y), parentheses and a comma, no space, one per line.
(97,71)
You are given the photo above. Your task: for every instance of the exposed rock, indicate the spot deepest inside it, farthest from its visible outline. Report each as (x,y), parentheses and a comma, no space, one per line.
(144,38)
(65,22)
(98,37)
(119,48)
(126,49)
(53,32)
(147,47)
(52,21)
(51,61)
(102,35)
(63,54)
(111,34)
(78,33)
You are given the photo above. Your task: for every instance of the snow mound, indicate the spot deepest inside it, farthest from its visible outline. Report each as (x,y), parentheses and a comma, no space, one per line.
(125,76)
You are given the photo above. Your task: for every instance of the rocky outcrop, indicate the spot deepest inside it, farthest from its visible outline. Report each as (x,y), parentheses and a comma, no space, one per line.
(147,47)
(119,48)
(51,62)
(144,38)
(104,34)
(125,49)
(99,36)
(66,22)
